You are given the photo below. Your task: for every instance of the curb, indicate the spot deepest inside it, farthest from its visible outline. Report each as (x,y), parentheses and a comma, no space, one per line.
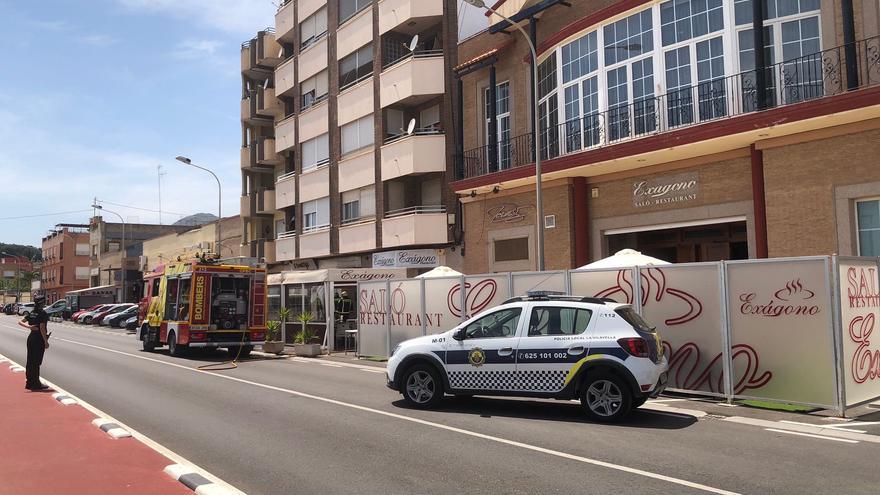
(111,428)
(16,368)
(64,399)
(195,481)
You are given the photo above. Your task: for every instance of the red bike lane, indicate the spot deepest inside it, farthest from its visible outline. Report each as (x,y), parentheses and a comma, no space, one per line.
(49,448)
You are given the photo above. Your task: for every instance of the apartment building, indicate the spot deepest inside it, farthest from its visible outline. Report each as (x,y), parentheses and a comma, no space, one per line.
(663,129)
(347,134)
(167,248)
(65,261)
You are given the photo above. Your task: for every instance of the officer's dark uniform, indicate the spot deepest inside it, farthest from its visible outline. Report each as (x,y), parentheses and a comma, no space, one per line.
(35,348)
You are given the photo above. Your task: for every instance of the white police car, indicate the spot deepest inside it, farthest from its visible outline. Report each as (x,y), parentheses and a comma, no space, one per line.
(539,345)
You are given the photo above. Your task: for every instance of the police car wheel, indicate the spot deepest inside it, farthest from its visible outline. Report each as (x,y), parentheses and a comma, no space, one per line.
(422,386)
(606,398)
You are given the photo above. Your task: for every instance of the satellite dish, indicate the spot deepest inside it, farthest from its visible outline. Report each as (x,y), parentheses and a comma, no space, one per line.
(281,53)
(411,126)
(266,83)
(413,43)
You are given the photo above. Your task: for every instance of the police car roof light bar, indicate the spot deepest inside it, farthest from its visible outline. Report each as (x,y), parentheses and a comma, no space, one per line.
(559,296)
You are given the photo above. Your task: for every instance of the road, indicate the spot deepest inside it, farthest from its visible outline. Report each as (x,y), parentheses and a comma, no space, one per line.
(295,426)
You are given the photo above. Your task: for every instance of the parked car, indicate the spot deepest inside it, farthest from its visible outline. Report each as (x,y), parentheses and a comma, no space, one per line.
(118,319)
(131,323)
(540,345)
(9,309)
(25,309)
(56,308)
(75,316)
(86,316)
(116,308)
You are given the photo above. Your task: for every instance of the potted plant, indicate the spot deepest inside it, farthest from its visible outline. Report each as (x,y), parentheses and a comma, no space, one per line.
(274,344)
(304,339)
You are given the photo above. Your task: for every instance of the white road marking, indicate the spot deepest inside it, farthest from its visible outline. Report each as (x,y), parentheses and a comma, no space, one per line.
(823,437)
(658,401)
(648,406)
(513,443)
(331,365)
(836,427)
(811,429)
(372,371)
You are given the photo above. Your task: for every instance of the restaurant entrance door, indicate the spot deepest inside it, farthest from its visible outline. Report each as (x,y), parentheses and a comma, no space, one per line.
(711,242)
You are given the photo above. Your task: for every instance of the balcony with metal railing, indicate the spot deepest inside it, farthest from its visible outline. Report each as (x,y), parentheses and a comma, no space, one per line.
(412,78)
(809,78)
(423,151)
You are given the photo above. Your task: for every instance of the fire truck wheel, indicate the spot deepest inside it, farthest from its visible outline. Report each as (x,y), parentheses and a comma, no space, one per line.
(175,349)
(149,345)
(243,354)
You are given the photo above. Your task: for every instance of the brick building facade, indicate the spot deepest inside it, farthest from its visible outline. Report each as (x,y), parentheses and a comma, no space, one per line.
(65,261)
(663,148)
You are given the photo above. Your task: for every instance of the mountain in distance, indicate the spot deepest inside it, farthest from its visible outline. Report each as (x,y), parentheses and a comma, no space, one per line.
(197,219)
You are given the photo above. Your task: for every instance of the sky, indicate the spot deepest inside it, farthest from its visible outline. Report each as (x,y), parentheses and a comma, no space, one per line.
(95,94)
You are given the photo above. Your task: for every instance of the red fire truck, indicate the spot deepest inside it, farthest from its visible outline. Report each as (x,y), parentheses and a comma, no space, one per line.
(200,303)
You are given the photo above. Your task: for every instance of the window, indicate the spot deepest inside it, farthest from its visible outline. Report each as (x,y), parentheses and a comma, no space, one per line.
(628,38)
(802,70)
(712,92)
(348,8)
(316,214)
(502,122)
(553,320)
(868,225)
(61,251)
(501,323)
(512,249)
(313,28)
(61,277)
(357,134)
(547,77)
(580,57)
(355,66)
(171,299)
(314,89)
(429,118)
(82,249)
(681,20)
(358,204)
(775,8)
(81,273)
(315,152)
(747,68)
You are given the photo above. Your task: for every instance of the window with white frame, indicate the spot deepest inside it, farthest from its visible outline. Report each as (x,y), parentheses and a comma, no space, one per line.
(348,8)
(313,28)
(315,152)
(682,20)
(356,66)
(868,225)
(314,89)
(316,214)
(792,36)
(358,204)
(580,66)
(630,76)
(358,134)
(629,37)
(548,107)
(82,249)
(502,122)
(82,273)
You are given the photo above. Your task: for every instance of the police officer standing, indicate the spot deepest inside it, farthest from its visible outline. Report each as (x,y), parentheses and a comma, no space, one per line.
(37,343)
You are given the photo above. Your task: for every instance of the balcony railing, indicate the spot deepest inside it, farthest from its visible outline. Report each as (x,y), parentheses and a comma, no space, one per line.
(413,54)
(794,81)
(418,131)
(415,210)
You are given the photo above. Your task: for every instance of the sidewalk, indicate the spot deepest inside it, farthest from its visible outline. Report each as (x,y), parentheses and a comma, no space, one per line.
(48,448)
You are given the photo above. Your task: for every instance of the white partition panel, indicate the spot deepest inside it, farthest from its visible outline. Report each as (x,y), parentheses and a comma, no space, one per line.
(781,330)
(481,293)
(406,310)
(614,284)
(525,282)
(859,280)
(372,323)
(685,302)
(439,314)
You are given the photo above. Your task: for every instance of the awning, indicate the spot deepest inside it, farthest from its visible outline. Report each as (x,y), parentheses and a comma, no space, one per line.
(90,289)
(336,275)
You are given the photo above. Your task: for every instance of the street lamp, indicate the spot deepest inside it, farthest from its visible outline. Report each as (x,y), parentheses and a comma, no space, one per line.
(99,207)
(480,4)
(187,161)
(17,274)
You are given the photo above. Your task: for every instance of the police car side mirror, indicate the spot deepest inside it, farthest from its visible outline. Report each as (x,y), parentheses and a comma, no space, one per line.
(459,334)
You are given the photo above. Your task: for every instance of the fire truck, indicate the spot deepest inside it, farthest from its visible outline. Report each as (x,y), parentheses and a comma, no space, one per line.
(203,304)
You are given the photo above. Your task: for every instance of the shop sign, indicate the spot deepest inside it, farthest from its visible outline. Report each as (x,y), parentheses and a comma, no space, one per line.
(666,190)
(508,213)
(413,258)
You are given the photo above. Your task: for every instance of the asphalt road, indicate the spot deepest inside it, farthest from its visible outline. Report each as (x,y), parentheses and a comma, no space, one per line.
(289,426)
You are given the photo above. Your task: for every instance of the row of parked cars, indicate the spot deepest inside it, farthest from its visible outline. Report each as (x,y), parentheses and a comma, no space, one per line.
(124,315)
(24,308)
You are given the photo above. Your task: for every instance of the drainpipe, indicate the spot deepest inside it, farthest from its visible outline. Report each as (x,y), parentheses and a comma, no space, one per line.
(849,42)
(758,14)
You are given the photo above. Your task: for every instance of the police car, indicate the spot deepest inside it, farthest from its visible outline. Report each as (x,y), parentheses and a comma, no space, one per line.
(540,345)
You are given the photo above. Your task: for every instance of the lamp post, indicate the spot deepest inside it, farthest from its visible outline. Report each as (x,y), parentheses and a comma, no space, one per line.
(539,207)
(187,161)
(17,274)
(99,207)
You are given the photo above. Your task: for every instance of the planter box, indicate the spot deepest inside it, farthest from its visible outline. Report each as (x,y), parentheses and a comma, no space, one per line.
(273,347)
(307,350)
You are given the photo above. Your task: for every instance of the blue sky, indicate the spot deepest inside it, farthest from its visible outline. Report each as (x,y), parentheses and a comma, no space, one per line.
(94,94)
